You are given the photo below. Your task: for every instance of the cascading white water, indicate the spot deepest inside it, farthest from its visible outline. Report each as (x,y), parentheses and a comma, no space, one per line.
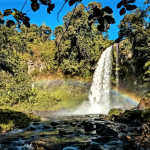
(117,71)
(100,88)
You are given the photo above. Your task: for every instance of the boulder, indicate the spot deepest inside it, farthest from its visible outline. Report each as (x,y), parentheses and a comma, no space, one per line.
(55,123)
(89,126)
(115,111)
(109,132)
(64,132)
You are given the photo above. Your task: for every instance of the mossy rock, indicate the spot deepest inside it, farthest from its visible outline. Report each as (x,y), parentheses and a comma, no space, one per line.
(114,111)
(130,115)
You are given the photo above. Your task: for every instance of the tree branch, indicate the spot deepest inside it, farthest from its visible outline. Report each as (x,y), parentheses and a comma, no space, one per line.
(28,10)
(24,5)
(67,26)
(60,11)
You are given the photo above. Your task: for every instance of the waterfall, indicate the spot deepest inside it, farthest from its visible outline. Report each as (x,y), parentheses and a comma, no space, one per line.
(100,88)
(117,71)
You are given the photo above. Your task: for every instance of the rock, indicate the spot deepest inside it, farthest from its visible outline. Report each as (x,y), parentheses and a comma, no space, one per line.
(128,138)
(36,123)
(121,127)
(55,123)
(99,125)
(99,128)
(109,132)
(101,139)
(2,146)
(73,124)
(130,146)
(45,127)
(40,145)
(130,115)
(145,130)
(135,123)
(89,126)
(64,132)
(115,118)
(102,116)
(144,103)
(31,129)
(115,111)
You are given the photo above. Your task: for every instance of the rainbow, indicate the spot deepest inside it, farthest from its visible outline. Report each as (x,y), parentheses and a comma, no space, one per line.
(128,97)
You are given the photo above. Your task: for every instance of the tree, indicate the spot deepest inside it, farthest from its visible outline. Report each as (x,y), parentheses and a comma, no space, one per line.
(81,46)
(134,30)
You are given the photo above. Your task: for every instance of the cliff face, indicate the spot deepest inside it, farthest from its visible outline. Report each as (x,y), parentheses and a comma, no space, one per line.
(37,64)
(144,103)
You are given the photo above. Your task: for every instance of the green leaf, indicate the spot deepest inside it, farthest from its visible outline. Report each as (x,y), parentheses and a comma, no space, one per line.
(108,10)
(10,23)
(131,7)
(119,5)
(109,19)
(44,2)
(7,12)
(100,27)
(35,6)
(122,11)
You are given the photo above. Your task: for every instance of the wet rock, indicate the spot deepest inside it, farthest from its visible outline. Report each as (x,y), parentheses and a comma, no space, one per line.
(145,130)
(115,118)
(116,142)
(135,123)
(100,128)
(99,125)
(40,145)
(130,146)
(2,146)
(31,129)
(109,132)
(89,126)
(121,127)
(65,122)
(36,123)
(98,119)
(43,135)
(110,125)
(64,132)
(46,127)
(55,123)
(102,116)
(101,139)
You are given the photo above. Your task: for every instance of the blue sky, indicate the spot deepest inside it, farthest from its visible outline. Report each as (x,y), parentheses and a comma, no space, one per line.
(41,15)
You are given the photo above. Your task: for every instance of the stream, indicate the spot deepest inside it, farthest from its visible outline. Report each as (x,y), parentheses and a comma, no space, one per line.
(80,132)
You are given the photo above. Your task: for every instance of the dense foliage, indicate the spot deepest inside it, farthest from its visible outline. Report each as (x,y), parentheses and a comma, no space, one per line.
(134,54)
(77,46)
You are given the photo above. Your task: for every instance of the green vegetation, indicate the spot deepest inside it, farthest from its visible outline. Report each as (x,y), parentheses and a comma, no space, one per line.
(11,119)
(114,111)
(73,53)
(62,95)
(134,53)
(130,115)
